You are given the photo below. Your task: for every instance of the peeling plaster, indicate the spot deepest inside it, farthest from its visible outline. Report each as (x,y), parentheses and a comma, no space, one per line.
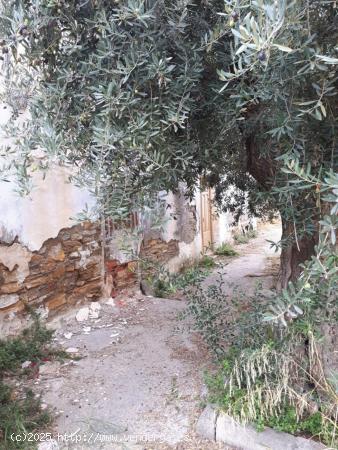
(48,208)
(41,215)
(16,256)
(8,300)
(122,246)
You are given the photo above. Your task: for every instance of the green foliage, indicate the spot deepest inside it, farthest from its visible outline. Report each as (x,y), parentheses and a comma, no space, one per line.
(21,412)
(218,315)
(244,238)
(20,416)
(314,293)
(226,249)
(163,288)
(241,238)
(190,275)
(274,371)
(112,85)
(135,97)
(281,88)
(207,262)
(166,284)
(286,419)
(31,345)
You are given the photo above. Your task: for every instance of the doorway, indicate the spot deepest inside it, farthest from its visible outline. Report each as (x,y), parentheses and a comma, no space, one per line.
(206,220)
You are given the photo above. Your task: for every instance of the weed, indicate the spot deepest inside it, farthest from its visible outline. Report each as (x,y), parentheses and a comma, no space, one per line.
(312,425)
(166,284)
(240,238)
(287,419)
(215,315)
(207,262)
(226,249)
(190,276)
(31,345)
(261,375)
(22,415)
(163,288)
(252,234)
(20,411)
(244,238)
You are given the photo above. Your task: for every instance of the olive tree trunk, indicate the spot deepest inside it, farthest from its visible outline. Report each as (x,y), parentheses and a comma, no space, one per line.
(300,249)
(293,255)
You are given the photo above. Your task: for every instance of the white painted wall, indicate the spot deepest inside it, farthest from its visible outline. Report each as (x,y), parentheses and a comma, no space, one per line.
(187,251)
(42,214)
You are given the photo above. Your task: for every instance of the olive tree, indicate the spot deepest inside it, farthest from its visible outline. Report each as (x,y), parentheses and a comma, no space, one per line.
(138,95)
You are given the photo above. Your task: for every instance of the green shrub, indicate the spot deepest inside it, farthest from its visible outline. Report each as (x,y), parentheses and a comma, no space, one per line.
(31,345)
(226,249)
(258,362)
(207,262)
(190,276)
(20,411)
(18,416)
(241,238)
(163,288)
(244,238)
(166,284)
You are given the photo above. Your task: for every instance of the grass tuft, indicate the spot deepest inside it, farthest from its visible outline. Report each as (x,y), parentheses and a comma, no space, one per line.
(20,411)
(207,262)
(226,249)
(244,238)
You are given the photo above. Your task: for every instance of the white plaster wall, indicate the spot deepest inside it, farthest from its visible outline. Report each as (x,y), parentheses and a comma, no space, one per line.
(187,251)
(222,228)
(47,210)
(42,214)
(222,232)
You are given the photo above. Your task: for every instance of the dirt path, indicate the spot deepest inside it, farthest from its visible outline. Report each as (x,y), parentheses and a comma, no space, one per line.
(258,262)
(138,376)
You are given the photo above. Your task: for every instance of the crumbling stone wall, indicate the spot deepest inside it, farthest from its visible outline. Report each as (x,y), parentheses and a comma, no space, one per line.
(158,250)
(123,275)
(64,270)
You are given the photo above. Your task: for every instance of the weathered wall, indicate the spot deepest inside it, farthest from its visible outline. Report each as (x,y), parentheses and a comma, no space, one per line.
(177,241)
(66,269)
(50,207)
(46,260)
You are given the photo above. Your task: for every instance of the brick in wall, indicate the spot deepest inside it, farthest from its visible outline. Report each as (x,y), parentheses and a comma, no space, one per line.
(65,270)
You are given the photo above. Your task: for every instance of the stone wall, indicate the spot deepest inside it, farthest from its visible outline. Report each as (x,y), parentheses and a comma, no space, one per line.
(123,275)
(158,250)
(65,270)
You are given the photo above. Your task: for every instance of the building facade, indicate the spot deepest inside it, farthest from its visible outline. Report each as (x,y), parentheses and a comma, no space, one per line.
(50,261)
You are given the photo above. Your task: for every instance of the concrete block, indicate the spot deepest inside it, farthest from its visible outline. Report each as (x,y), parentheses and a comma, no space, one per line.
(247,438)
(206,424)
